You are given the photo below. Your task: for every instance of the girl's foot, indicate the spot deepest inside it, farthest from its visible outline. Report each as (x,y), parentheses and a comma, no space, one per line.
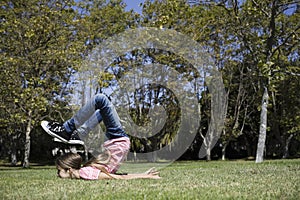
(58,131)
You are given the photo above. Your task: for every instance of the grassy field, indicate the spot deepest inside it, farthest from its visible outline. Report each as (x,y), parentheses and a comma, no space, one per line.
(276,179)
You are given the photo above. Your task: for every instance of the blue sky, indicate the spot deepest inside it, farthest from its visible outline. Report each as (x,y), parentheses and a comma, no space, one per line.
(134,4)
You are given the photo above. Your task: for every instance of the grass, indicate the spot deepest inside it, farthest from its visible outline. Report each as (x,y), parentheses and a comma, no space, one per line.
(276,179)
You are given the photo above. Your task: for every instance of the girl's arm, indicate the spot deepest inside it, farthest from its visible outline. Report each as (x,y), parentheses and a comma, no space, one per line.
(150,174)
(128,176)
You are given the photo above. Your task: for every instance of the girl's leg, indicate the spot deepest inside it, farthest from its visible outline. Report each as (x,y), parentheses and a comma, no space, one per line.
(98,109)
(86,116)
(110,117)
(90,124)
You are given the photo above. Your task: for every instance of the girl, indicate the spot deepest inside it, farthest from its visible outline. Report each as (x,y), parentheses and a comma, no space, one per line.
(74,130)
(69,166)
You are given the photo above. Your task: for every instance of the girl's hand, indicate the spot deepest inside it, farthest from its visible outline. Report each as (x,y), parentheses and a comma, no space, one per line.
(153,173)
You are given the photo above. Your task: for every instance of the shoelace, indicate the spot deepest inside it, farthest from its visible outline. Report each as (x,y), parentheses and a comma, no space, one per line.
(75,136)
(56,127)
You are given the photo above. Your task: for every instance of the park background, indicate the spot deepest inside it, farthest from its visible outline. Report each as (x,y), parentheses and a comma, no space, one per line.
(254,44)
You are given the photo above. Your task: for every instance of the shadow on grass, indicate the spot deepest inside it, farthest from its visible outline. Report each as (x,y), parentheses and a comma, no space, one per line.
(33,165)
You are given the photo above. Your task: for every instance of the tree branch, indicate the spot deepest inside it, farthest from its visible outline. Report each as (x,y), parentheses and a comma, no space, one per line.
(286,39)
(257,5)
(286,72)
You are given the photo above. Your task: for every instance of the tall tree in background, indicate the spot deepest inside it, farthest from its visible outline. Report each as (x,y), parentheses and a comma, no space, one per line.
(99,20)
(43,43)
(263,37)
(278,32)
(39,51)
(175,15)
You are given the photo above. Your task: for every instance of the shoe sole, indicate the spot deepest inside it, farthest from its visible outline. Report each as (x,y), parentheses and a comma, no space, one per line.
(75,142)
(44,126)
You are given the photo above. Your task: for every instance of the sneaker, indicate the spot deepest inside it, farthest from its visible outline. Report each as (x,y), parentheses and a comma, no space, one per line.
(59,132)
(75,139)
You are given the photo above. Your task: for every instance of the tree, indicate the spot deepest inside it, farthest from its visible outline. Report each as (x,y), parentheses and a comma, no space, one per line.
(275,47)
(262,37)
(39,50)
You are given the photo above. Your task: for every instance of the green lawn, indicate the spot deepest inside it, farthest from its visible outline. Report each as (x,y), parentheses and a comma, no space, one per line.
(277,179)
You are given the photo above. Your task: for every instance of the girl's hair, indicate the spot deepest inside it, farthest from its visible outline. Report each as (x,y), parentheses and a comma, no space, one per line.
(69,160)
(101,159)
(74,160)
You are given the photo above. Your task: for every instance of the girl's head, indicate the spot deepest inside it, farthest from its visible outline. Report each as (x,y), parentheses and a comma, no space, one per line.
(66,163)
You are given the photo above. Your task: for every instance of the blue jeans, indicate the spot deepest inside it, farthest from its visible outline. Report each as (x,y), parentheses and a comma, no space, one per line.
(98,109)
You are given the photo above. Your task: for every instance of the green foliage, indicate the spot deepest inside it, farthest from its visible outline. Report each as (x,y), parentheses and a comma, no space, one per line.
(101,19)
(42,45)
(253,42)
(38,50)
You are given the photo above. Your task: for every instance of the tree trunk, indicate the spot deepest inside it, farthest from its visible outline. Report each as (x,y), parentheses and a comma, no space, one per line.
(204,149)
(208,154)
(224,150)
(27,142)
(262,128)
(209,145)
(13,149)
(13,157)
(286,147)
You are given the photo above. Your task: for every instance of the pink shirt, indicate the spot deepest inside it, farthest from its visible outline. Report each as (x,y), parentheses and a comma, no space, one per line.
(118,148)
(89,173)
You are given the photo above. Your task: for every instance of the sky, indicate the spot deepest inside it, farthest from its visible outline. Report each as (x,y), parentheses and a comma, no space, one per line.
(134,4)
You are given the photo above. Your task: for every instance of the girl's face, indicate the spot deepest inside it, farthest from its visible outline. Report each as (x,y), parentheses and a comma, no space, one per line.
(63,173)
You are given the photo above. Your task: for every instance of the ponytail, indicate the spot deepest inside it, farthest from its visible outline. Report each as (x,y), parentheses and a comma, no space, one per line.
(99,162)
